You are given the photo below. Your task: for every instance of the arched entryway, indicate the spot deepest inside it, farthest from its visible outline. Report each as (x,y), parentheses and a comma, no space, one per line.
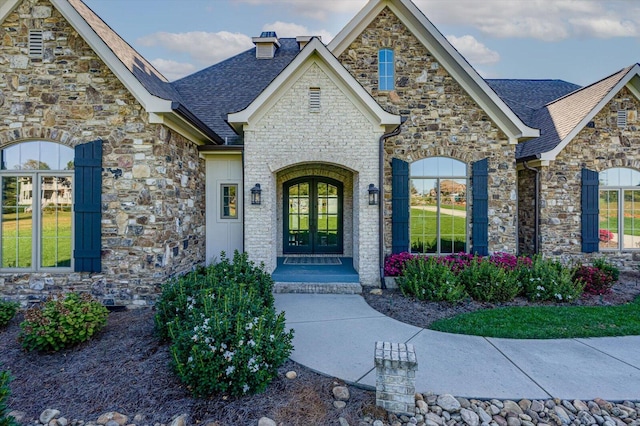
(313,216)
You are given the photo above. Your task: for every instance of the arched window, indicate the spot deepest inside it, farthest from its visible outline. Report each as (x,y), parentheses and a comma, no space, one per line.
(619,209)
(386,70)
(438,218)
(36,227)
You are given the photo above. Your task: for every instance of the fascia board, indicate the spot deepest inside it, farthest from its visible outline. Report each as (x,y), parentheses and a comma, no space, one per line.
(6,7)
(551,155)
(292,73)
(445,54)
(150,102)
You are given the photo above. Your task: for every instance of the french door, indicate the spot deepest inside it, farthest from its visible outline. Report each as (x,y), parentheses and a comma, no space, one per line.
(312,216)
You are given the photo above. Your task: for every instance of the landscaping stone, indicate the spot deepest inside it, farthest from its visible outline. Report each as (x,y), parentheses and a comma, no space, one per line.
(448,403)
(469,417)
(341,393)
(47,415)
(266,421)
(291,375)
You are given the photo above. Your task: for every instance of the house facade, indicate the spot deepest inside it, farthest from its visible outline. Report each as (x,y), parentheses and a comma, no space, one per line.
(385,140)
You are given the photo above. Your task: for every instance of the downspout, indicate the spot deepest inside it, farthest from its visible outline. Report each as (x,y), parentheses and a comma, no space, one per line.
(384,137)
(536,211)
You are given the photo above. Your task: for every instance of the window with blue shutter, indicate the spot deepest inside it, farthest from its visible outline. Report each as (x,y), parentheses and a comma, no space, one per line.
(400,206)
(590,211)
(480,217)
(88,207)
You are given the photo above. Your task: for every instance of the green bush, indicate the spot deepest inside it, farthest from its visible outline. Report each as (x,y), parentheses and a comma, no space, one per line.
(426,278)
(62,322)
(7,312)
(488,282)
(224,332)
(549,280)
(608,268)
(5,419)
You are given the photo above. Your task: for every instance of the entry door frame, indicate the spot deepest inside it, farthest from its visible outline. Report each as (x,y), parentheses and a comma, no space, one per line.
(313,247)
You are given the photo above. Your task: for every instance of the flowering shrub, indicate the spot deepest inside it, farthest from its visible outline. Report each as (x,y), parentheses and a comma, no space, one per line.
(394,264)
(458,261)
(62,321)
(7,312)
(608,268)
(594,279)
(427,278)
(548,280)
(509,261)
(487,281)
(606,235)
(225,335)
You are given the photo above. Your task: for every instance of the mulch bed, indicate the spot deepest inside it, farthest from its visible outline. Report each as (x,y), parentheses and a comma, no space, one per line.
(126,369)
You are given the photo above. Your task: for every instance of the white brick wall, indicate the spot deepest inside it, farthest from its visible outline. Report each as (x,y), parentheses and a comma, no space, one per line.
(340,137)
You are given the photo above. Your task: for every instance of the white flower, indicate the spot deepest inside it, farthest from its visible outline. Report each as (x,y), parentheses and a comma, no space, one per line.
(190,359)
(251,343)
(540,288)
(230,370)
(245,388)
(195,338)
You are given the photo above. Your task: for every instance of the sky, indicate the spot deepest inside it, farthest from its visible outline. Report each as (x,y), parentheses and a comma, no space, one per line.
(580,41)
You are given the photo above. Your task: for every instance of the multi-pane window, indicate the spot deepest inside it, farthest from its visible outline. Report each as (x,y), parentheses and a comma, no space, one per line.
(36,226)
(386,71)
(619,209)
(438,214)
(229,201)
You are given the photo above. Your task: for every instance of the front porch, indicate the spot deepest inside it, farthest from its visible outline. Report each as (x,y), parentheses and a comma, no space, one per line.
(313,274)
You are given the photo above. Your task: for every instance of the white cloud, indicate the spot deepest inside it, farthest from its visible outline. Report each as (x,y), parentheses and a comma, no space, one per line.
(203,47)
(548,20)
(289,29)
(315,9)
(474,51)
(173,70)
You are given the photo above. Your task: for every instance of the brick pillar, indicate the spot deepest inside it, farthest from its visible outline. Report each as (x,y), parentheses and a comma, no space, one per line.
(396,366)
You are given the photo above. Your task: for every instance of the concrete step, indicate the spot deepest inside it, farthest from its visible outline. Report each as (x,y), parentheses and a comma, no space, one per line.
(317,288)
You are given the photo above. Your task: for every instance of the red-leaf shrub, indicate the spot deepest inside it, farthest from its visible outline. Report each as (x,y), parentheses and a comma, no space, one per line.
(595,280)
(394,264)
(606,235)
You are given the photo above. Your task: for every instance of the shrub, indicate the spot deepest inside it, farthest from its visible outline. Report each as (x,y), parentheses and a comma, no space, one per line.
(509,261)
(427,278)
(224,332)
(486,281)
(394,264)
(606,235)
(548,280)
(459,261)
(62,322)
(608,268)
(5,418)
(7,312)
(595,280)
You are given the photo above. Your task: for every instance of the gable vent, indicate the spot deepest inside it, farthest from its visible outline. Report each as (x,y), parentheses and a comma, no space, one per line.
(622,119)
(36,46)
(314,99)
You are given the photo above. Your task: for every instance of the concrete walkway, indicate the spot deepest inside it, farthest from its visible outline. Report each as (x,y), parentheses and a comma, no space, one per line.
(335,335)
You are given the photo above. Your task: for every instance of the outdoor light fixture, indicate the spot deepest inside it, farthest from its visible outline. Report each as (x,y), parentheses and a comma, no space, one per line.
(256,195)
(374,195)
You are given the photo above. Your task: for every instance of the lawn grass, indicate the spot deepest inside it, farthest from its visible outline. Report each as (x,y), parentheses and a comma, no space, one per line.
(547,322)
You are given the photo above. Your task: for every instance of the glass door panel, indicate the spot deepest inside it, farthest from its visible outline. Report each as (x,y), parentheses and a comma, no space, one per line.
(299,218)
(17,222)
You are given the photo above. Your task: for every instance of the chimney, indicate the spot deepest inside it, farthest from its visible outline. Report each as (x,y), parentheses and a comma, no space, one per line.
(266,45)
(304,40)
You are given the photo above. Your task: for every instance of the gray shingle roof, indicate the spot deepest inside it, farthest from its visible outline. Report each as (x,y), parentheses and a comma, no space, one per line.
(524,97)
(144,72)
(558,118)
(230,86)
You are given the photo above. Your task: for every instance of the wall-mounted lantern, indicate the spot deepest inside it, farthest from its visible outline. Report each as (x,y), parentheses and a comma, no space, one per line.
(256,195)
(374,195)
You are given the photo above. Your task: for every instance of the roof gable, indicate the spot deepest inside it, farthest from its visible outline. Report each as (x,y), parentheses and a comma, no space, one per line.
(445,54)
(561,120)
(314,52)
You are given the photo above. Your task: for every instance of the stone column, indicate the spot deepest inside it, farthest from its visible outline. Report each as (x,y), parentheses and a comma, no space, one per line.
(396,366)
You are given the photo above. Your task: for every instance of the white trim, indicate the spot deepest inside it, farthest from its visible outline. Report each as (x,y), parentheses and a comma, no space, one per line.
(445,54)
(313,52)
(624,81)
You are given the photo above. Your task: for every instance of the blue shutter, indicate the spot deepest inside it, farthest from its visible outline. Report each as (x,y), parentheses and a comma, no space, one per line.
(87,206)
(480,218)
(400,206)
(590,211)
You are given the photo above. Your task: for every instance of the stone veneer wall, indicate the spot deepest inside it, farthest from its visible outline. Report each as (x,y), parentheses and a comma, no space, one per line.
(153,179)
(599,148)
(291,135)
(526,211)
(443,120)
(321,170)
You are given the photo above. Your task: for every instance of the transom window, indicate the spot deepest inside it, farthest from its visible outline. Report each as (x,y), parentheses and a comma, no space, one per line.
(619,209)
(438,218)
(386,70)
(36,227)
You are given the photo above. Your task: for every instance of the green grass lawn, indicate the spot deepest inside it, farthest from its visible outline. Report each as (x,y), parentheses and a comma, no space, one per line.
(547,322)
(424,225)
